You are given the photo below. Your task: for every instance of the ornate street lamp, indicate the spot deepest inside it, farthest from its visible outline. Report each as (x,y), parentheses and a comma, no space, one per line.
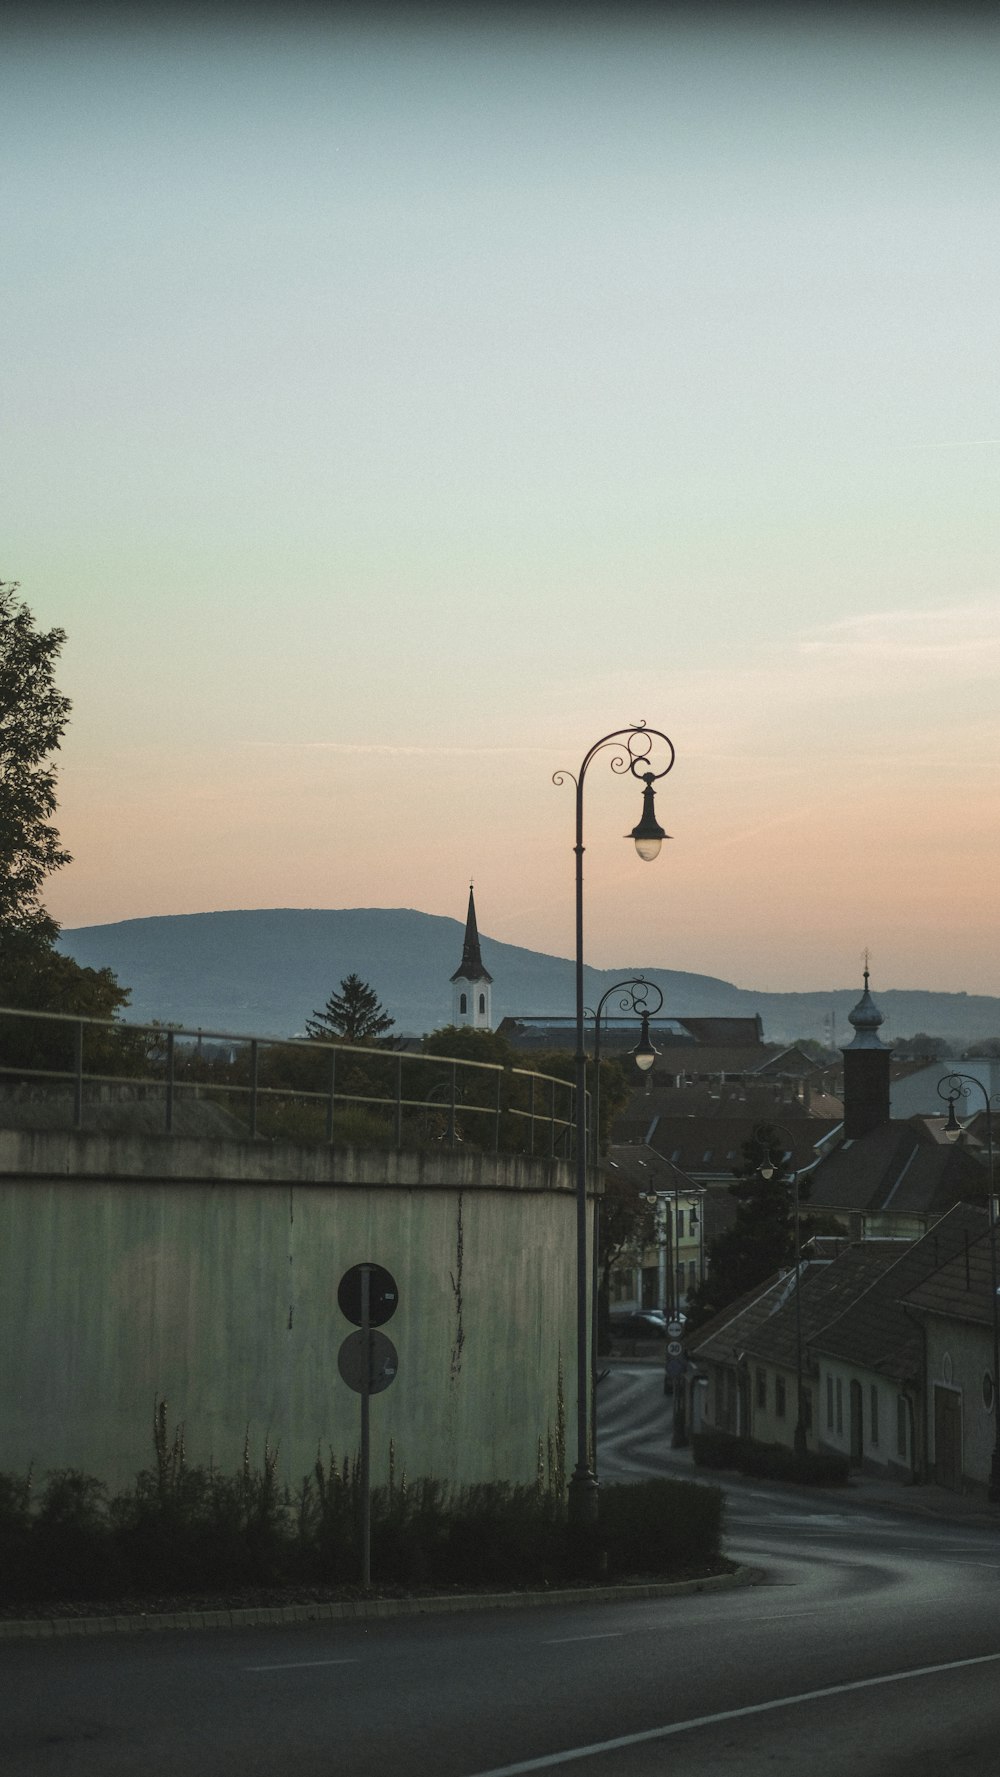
(631,752)
(952,1087)
(635,996)
(767,1170)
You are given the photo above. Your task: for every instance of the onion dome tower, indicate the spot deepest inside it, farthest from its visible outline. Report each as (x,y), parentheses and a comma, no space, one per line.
(471,982)
(866,1069)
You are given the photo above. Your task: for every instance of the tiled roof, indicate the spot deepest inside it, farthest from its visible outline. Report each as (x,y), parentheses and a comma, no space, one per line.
(827,1290)
(897,1166)
(960,1290)
(700,1145)
(720,1338)
(875,1331)
(747,1032)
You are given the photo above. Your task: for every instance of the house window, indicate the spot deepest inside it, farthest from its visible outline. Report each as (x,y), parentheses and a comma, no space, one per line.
(873,1397)
(840,1407)
(482,1002)
(829,1401)
(901,1426)
(692,1273)
(680,1224)
(762,1388)
(779,1396)
(463,1004)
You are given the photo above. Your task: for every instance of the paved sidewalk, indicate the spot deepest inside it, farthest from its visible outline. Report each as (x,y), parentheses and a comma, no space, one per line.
(928,1501)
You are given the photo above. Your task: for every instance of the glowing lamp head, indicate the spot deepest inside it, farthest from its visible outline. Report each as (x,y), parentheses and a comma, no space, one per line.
(648,834)
(644,1054)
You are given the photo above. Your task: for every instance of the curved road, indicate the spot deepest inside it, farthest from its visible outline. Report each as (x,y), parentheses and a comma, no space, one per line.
(870,1648)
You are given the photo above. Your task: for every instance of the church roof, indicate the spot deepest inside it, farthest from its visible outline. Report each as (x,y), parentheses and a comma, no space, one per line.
(471,966)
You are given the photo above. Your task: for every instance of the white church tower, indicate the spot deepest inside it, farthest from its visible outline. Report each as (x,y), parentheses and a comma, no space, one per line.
(471,983)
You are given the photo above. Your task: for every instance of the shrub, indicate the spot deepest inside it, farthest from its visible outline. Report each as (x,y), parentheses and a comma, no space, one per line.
(660,1526)
(183,1529)
(769,1462)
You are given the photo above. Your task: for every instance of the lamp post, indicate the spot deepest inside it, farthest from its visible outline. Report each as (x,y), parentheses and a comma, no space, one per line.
(635,994)
(631,751)
(767,1170)
(952,1087)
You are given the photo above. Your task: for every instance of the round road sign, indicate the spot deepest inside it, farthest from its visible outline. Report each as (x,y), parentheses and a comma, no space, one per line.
(383,1362)
(383,1296)
(675,1348)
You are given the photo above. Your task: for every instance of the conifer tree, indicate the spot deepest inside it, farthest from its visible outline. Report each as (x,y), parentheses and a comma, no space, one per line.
(354,1015)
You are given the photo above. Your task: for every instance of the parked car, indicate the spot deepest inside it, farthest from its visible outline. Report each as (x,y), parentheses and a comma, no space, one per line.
(638,1323)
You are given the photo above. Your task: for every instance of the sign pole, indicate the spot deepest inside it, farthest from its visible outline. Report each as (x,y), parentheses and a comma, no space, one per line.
(366,1382)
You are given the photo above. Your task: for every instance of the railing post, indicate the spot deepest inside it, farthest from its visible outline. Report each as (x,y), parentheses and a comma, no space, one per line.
(496,1120)
(253,1089)
(399,1101)
(552,1120)
(170,1082)
(78,1076)
(452,1128)
(333,1095)
(531,1120)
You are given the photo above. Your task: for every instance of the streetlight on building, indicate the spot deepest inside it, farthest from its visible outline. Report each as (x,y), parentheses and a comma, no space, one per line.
(767,1170)
(631,750)
(952,1087)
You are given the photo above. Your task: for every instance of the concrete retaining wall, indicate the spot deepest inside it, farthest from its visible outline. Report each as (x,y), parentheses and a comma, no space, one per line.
(137,1268)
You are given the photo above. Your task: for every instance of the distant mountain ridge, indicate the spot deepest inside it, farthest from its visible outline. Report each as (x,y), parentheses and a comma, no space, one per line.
(266,970)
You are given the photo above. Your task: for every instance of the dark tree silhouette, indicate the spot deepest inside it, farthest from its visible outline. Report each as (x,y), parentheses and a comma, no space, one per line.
(354,1015)
(33,715)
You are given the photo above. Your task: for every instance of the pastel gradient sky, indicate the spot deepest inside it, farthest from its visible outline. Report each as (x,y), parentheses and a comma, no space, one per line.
(393,406)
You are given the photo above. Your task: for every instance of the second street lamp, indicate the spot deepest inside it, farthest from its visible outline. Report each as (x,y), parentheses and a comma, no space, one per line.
(631,752)
(635,998)
(767,1170)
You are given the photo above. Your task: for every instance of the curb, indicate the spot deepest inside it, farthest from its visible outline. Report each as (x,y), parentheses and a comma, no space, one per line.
(362,1609)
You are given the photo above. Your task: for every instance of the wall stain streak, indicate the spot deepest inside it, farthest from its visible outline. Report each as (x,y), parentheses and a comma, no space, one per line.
(456,1290)
(291,1255)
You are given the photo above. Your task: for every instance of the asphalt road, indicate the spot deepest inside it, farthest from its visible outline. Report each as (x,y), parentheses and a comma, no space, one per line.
(872,1645)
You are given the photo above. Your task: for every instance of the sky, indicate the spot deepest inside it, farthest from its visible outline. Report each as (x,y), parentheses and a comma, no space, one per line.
(395,403)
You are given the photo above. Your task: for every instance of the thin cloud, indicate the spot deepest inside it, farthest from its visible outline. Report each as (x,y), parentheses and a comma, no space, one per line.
(387,749)
(956,636)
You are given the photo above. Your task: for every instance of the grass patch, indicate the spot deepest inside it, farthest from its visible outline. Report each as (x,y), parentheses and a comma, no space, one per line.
(182,1530)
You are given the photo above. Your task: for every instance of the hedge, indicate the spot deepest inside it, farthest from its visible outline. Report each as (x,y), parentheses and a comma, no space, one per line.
(770,1462)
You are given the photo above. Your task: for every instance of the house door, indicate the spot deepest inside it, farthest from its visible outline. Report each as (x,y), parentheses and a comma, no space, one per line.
(857,1425)
(948,1438)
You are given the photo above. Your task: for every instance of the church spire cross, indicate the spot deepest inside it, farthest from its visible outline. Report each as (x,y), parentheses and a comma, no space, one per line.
(471,967)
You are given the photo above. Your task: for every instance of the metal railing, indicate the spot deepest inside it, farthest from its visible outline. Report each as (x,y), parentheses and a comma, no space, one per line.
(295,1087)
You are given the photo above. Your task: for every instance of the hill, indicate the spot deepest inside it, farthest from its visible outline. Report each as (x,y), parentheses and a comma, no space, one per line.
(265,970)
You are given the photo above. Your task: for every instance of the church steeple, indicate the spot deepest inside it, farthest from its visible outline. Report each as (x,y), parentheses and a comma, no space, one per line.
(866,1069)
(471,981)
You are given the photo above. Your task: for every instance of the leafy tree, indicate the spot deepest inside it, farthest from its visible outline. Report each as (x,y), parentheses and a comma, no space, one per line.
(33,715)
(34,976)
(761,1240)
(354,1015)
(459,1042)
(924,1047)
(627,1224)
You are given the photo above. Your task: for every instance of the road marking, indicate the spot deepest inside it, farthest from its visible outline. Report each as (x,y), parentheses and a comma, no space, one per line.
(300,1665)
(550,1760)
(607,1635)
